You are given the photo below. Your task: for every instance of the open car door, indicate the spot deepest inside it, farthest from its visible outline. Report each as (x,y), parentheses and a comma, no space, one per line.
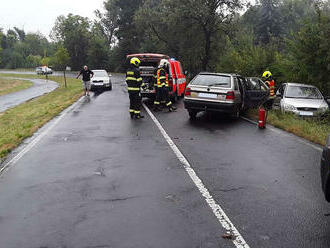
(325,170)
(257,92)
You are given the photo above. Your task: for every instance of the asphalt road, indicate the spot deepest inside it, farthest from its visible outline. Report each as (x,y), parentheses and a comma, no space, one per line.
(39,88)
(99,179)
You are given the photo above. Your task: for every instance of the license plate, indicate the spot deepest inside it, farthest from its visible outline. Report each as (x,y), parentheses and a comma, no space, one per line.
(306,113)
(206,95)
(98,84)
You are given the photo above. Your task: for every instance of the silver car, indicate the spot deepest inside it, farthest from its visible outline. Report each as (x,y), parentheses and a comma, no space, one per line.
(101,80)
(300,99)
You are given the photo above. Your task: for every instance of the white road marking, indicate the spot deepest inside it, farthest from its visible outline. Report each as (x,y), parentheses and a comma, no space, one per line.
(282,132)
(38,137)
(238,241)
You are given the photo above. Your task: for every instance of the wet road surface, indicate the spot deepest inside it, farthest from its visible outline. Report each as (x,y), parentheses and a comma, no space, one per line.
(39,88)
(99,179)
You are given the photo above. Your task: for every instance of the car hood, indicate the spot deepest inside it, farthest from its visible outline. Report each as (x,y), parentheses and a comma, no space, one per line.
(100,78)
(305,103)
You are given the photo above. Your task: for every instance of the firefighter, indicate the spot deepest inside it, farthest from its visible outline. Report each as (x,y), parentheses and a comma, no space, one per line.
(157,92)
(134,84)
(267,76)
(163,86)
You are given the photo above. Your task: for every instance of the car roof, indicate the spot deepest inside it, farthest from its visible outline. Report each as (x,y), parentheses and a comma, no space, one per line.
(99,70)
(218,74)
(149,55)
(297,84)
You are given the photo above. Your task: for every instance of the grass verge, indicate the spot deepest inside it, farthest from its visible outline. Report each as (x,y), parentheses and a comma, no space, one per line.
(13,85)
(21,122)
(315,130)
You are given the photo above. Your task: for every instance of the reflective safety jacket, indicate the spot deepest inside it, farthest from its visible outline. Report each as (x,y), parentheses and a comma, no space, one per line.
(162,78)
(271,85)
(133,79)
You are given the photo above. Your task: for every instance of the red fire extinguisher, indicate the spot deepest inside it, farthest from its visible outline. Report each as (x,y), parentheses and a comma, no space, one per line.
(262,118)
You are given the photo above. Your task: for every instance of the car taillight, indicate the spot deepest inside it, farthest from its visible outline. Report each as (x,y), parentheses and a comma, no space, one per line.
(230,95)
(187,92)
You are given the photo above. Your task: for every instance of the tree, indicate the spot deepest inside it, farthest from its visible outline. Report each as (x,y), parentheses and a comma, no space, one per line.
(73,32)
(108,22)
(308,57)
(61,60)
(189,25)
(270,24)
(98,53)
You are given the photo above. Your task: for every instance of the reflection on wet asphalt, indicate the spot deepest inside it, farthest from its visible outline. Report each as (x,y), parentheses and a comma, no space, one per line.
(39,88)
(100,179)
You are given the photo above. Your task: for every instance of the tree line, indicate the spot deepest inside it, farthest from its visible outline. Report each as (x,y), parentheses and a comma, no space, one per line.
(288,37)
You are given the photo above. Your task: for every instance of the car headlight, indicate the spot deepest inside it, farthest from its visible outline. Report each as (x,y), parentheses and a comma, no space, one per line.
(324,108)
(289,107)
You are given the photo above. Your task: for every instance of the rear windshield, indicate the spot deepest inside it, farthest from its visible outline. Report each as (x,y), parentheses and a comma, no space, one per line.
(303,92)
(212,80)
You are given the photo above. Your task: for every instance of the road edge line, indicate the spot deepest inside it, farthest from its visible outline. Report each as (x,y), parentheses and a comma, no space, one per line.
(219,213)
(283,132)
(39,136)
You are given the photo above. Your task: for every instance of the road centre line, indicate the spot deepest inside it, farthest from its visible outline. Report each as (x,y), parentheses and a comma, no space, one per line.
(39,137)
(282,132)
(222,217)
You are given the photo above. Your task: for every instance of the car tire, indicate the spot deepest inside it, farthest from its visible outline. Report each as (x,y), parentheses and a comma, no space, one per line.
(192,114)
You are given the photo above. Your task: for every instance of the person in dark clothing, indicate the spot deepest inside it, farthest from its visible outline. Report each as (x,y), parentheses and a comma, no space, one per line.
(158,96)
(134,84)
(163,86)
(87,75)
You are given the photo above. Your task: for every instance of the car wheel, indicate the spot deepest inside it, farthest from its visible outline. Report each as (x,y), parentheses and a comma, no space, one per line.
(192,114)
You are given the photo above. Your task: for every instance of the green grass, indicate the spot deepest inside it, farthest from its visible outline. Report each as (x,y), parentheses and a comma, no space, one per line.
(13,85)
(21,122)
(315,130)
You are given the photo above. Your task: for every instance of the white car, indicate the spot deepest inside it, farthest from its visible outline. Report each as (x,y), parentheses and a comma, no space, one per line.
(101,80)
(300,99)
(44,70)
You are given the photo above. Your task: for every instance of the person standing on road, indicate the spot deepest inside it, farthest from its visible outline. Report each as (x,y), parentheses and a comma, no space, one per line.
(87,75)
(267,76)
(134,84)
(158,96)
(163,86)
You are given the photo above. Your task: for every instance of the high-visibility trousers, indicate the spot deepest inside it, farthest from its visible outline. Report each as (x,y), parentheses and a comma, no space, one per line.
(135,102)
(158,96)
(165,96)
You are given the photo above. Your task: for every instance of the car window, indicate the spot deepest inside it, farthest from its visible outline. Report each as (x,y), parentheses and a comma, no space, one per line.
(303,92)
(253,84)
(262,85)
(181,69)
(100,74)
(212,80)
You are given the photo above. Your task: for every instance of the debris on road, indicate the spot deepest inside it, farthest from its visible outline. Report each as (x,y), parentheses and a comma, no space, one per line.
(228,236)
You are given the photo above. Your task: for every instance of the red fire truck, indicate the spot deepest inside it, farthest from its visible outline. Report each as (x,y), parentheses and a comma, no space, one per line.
(149,63)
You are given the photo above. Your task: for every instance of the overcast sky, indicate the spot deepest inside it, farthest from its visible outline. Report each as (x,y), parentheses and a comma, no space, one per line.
(40,15)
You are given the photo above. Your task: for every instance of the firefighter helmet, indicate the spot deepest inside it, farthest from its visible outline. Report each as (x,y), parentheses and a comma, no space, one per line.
(135,61)
(163,63)
(267,74)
